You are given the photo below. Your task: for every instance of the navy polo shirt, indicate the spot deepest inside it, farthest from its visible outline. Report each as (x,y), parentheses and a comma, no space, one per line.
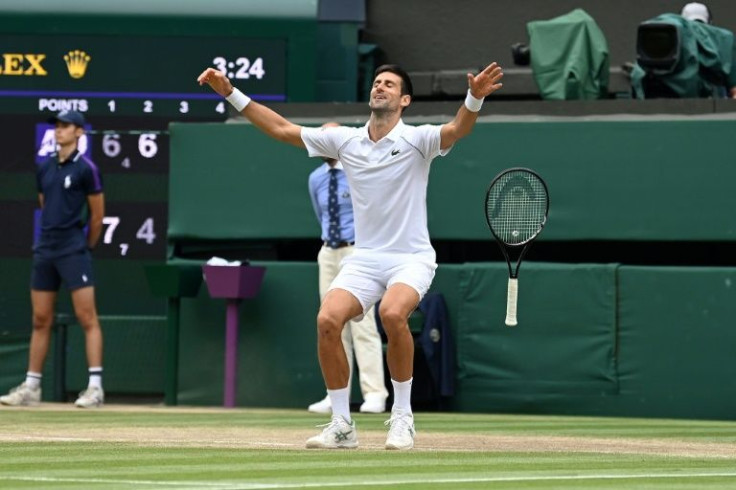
(65,187)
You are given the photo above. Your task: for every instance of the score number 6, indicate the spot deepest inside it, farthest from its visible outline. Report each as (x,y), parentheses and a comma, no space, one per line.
(147,146)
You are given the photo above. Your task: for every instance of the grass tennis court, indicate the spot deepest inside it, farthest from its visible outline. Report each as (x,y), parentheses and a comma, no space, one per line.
(137,447)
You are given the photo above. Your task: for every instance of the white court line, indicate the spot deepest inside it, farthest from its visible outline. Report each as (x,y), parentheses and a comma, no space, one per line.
(428,481)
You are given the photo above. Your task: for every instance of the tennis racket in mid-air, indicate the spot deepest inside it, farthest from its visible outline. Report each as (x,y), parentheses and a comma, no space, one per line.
(517,204)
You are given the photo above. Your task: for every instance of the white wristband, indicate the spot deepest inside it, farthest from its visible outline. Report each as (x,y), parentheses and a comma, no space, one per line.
(238,100)
(472,103)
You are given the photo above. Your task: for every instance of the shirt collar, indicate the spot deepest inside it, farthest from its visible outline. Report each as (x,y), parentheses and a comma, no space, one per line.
(327,168)
(72,157)
(393,135)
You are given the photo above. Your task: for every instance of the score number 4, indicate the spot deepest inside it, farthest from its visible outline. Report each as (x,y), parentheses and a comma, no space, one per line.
(145,232)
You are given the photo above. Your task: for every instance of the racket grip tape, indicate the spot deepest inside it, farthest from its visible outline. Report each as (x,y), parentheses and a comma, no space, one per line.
(512,296)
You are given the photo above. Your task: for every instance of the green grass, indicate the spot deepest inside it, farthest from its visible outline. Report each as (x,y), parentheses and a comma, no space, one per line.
(34,453)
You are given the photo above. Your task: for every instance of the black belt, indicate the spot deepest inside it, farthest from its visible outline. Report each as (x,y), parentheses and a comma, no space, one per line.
(341,244)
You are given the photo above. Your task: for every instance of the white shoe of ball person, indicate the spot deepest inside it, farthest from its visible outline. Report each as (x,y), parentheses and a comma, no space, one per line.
(92,397)
(22,396)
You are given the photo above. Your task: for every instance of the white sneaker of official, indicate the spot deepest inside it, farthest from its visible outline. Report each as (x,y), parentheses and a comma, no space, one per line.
(322,406)
(373,403)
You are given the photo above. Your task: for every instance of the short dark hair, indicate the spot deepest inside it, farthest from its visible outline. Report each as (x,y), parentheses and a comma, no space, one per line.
(406,86)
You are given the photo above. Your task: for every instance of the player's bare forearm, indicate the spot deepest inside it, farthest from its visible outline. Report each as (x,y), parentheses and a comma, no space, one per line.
(265,119)
(463,123)
(273,124)
(480,86)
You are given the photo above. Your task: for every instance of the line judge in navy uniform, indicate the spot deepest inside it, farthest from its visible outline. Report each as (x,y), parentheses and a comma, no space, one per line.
(70,196)
(360,338)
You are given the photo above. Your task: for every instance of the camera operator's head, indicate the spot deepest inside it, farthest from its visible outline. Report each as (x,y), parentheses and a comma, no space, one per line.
(698,12)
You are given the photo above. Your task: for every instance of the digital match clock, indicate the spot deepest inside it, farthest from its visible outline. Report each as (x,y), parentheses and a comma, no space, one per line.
(142,75)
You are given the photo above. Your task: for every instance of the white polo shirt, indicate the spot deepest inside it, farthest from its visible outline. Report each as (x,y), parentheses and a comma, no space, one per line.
(388,182)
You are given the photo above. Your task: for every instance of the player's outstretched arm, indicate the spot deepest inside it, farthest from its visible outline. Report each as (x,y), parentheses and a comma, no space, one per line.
(268,121)
(480,86)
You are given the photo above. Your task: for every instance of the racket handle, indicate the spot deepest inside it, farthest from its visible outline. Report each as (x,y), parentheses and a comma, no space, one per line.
(512,296)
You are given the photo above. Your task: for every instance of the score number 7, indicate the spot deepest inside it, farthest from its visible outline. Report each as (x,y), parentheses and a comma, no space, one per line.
(145,232)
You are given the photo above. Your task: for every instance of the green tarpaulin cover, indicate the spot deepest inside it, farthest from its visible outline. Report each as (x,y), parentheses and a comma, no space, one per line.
(569,57)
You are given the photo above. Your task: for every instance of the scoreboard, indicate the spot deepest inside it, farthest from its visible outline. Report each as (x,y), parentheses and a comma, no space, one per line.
(134,164)
(131,68)
(134,75)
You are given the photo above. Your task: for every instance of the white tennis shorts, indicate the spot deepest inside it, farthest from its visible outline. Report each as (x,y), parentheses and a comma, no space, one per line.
(367,275)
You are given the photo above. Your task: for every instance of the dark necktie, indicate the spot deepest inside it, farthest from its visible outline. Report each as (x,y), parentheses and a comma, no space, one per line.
(333,232)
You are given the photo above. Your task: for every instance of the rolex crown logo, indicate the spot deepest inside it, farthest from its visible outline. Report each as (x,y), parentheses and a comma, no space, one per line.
(76,63)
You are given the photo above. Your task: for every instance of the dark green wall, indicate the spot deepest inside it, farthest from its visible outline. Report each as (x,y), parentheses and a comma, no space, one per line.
(624,180)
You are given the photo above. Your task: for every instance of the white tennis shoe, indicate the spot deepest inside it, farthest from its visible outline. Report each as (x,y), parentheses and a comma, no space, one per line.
(92,397)
(401,430)
(338,434)
(22,395)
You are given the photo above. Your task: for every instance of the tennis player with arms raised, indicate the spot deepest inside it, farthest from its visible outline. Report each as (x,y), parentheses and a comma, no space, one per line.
(387,167)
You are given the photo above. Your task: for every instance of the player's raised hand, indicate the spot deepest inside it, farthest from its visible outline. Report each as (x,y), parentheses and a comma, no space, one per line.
(217,80)
(486,82)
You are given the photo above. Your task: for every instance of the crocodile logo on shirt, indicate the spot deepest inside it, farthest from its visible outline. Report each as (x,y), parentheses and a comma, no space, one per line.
(395,152)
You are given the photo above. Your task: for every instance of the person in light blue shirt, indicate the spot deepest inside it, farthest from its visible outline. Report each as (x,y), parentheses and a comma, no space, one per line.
(360,338)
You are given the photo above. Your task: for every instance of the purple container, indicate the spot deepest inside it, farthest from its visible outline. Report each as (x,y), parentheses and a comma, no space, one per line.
(226,281)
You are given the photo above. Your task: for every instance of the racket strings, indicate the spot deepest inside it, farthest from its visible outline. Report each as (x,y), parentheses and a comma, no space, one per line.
(517,207)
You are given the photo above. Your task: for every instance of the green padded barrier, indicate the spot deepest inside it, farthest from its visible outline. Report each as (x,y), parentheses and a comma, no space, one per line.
(15,300)
(608,180)
(564,344)
(677,342)
(121,289)
(13,363)
(277,348)
(277,344)
(133,355)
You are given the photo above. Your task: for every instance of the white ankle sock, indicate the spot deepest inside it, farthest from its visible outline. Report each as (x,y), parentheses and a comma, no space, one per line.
(33,380)
(402,395)
(95,377)
(340,402)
